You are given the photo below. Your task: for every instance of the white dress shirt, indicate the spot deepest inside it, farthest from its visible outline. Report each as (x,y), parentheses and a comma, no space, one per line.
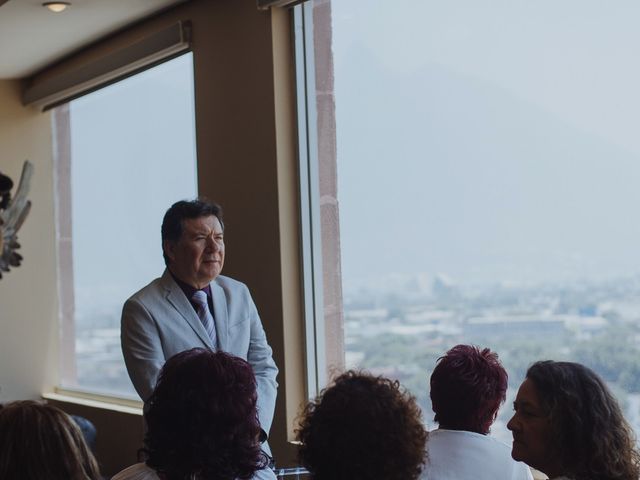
(461,455)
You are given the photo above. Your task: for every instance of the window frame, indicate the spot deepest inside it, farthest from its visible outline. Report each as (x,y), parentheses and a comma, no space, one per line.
(66,385)
(309,179)
(254,97)
(319,222)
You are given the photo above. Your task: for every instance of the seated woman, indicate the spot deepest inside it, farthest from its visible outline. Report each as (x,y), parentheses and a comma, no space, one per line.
(468,386)
(202,422)
(362,427)
(39,441)
(568,425)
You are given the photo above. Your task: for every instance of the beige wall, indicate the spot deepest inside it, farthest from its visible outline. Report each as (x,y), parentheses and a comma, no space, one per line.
(28,295)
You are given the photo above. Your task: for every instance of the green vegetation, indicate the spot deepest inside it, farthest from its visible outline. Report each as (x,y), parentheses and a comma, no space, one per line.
(521,326)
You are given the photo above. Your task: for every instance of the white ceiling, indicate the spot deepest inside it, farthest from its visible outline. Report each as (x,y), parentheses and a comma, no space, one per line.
(31,36)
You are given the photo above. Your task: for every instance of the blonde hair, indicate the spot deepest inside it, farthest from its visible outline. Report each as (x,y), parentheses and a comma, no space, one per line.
(40,441)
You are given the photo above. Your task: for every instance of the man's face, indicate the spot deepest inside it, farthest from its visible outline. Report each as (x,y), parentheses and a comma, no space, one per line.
(531,429)
(198,256)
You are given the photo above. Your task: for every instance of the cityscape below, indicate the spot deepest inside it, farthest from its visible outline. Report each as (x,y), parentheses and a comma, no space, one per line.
(400,327)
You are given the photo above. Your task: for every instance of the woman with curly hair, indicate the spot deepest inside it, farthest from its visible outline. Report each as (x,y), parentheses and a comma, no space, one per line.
(569,426)
(362,427)
(39,441)
(202,422)
(468,386)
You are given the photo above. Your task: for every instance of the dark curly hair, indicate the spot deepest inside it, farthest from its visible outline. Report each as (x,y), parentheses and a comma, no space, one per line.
(468,386)
(590,433)
(362,427)
(202,418)
(41,441)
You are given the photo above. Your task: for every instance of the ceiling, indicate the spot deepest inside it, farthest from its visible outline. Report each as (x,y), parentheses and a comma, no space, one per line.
(32,37)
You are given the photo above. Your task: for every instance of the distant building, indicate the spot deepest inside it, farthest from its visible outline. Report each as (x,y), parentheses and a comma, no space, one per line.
(537,325)
(515,325)
(444,287)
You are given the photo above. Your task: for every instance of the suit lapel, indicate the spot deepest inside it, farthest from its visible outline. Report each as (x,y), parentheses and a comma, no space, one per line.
(220,315)
(176,297)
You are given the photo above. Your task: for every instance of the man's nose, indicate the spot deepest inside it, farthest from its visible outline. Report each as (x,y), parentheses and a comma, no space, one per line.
(212,244)
(511,424)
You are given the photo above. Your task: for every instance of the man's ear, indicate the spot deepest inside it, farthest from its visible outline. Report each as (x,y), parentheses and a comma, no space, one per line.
(169,249)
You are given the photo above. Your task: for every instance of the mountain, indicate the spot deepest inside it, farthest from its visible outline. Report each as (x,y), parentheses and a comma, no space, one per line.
(440,171)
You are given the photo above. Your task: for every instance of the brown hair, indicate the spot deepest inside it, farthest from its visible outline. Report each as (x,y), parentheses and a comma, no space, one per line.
(590,433)
(202,418)
(41,441)
(362,427)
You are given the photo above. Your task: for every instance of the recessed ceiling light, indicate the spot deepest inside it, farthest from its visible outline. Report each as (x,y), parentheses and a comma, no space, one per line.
(56,7)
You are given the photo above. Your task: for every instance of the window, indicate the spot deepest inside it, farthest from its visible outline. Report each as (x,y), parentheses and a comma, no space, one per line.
(132,153)
(487,172)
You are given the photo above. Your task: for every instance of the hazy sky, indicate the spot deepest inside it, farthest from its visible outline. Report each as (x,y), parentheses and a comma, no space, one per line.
(136,139)
(494,142)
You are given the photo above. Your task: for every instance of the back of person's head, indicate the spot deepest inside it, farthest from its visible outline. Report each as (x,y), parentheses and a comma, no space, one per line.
(202,418)
(468,386)
(39,441)
(171,229)
(362,427)
(588,429)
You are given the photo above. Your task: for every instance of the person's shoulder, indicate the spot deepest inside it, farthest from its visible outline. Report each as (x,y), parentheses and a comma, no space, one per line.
(229,283)
(498,444)
(458,435)
(151,289)
(520,470)
(139,471)
(460,438)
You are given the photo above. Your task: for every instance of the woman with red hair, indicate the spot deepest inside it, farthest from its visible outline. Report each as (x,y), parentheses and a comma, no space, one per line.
(468,386)
(202,422)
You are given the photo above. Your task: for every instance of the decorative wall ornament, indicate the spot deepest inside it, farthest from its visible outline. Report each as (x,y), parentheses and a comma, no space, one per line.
(13,212)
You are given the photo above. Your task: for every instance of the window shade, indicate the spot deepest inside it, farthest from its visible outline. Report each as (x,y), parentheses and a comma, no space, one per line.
(265,4)
(110,68)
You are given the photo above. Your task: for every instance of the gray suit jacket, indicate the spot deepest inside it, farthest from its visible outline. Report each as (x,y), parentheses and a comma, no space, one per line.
(159,321)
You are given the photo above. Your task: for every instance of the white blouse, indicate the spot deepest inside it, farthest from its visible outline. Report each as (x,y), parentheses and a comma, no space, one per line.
(458,455)
(139,471)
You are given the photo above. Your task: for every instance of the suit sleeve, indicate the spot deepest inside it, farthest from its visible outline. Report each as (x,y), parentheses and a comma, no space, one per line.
(261,359)
(141,347)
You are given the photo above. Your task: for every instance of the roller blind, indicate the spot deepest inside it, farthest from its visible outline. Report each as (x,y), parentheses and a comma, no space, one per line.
(265,4)
(145,53)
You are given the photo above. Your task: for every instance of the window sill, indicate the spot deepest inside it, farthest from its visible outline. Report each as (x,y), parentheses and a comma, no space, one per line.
(114,404)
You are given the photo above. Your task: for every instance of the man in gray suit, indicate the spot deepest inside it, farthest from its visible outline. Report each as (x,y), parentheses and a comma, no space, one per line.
(192,305)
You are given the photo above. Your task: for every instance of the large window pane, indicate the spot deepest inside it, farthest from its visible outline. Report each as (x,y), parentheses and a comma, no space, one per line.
(488,168)
(132,155)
